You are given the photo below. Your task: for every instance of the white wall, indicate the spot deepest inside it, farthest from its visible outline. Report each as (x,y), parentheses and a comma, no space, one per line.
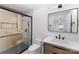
(40,22)
(29,12)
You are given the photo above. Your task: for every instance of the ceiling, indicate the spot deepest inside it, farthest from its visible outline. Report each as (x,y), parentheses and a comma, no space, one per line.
(25,7)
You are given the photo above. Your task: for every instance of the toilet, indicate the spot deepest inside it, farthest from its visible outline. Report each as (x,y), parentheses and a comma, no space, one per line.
(35,48)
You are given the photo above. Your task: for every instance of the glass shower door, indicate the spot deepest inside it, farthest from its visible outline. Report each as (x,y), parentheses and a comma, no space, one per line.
(26,30)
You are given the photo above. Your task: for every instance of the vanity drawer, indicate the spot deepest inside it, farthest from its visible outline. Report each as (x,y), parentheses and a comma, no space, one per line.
(48,48)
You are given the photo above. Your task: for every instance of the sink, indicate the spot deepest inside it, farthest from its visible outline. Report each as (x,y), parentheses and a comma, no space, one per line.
(68,44)
(64,43)
(74,45)
(60,41)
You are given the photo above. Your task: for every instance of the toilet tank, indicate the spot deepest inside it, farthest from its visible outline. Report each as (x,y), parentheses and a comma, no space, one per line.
(38,41)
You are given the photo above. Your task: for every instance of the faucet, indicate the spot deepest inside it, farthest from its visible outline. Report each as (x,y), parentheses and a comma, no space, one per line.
(60,37)
(63,38)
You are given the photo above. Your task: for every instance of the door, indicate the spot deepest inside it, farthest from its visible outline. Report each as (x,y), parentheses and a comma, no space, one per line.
(26,30)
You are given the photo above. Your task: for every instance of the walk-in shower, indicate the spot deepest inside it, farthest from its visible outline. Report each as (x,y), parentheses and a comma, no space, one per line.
(15,31)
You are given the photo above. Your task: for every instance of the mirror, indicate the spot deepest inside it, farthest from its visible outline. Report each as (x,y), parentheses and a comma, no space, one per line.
(64,21)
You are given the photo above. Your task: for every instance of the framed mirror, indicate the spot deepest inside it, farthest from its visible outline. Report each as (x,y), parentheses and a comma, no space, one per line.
(63,21)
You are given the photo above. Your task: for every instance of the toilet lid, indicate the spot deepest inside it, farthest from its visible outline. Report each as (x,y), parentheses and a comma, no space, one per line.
(33,47)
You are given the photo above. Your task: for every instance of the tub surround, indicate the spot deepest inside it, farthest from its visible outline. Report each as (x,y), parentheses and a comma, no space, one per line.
(9,40)
(68,45)
(4,34)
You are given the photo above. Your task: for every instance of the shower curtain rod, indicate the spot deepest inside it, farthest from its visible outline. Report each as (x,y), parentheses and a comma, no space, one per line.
(13,10)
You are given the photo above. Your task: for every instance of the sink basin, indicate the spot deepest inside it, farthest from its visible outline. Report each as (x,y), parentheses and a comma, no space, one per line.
(74,45)
(61,41)
(68,44)
(64,43)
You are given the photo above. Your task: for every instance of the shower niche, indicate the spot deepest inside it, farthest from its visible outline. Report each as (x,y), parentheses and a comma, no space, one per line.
(63,21)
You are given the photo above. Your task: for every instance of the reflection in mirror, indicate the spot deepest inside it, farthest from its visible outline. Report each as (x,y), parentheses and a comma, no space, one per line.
(65,21)
(74,20)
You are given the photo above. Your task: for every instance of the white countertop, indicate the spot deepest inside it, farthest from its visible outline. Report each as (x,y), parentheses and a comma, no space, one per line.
(63,43)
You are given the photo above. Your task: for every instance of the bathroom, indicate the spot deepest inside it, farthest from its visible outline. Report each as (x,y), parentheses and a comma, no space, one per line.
(27,29)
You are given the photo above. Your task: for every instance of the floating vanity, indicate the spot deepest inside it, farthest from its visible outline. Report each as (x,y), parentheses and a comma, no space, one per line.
(55,46)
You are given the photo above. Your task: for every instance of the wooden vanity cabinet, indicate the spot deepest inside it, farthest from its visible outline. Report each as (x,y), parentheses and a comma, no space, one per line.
(53,49)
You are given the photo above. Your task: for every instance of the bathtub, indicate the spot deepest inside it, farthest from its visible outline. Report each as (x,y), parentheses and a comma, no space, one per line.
(9,40)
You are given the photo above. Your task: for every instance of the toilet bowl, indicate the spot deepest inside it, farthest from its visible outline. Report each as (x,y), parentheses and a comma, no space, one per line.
(35,48)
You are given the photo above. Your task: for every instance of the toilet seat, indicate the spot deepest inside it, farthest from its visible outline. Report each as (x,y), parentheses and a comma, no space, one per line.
(33,47)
